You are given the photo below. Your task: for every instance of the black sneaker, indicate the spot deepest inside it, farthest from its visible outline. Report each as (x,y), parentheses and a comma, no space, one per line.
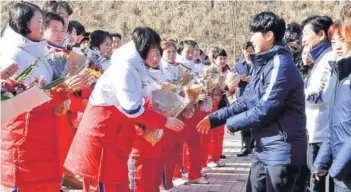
(223,157)
(243,153)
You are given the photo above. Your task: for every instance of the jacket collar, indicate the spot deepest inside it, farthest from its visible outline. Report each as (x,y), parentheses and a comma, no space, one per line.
(11,40)
(55,46)
(319,51)
(260,59)
(342,67)
(131,56)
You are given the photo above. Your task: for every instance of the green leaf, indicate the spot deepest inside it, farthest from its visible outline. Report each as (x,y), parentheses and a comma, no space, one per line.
(6,96)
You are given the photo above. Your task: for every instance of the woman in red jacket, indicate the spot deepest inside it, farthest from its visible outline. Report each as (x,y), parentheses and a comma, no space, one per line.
(103,142)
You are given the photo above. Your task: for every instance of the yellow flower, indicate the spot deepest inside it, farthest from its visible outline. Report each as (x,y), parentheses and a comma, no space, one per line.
(97,74)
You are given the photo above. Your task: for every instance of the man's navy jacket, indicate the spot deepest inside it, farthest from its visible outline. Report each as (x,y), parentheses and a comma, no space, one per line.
(273,105)
(242,68)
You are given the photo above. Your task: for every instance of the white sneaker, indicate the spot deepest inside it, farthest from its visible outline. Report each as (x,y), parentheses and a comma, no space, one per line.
(220,164)
(185,176)
(204,174)
(206,169)
(211,165)
(171,190)
(201,180)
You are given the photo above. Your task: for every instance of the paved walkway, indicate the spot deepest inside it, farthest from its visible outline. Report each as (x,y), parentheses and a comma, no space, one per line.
(232,177)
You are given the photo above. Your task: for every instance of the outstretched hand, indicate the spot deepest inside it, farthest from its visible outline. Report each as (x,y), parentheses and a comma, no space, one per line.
(9,71)
(174,124)
(228,131)
(204,126)
(80,81)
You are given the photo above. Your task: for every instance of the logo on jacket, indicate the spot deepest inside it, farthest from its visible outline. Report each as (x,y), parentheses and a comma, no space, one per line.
(315,97)
(325,77)
(51,62)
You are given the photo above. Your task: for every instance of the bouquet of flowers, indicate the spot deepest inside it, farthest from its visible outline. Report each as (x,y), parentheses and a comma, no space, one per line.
(206,104)
(15,94)
(168,103)
(95,58)
(211,78)
(232,78)
(192,91)
(151,136)
(176,86)
(94,64)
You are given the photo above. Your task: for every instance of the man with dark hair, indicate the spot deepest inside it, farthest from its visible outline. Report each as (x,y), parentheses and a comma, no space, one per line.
(273,105)
(54,31)
(116,40)
(317,90)
(243,67)
(64,9)
(76,31)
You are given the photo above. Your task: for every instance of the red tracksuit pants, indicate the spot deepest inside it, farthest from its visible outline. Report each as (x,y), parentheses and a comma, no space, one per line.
(145,174)
(192,148)
(216,144)
(95,186)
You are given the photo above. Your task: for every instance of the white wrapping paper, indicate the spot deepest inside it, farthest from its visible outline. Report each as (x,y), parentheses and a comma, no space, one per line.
(22,103)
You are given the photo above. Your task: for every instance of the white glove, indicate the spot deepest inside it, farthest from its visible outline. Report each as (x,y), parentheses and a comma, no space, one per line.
(174,124)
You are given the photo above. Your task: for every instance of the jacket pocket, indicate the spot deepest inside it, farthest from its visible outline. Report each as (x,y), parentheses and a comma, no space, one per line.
(275,143)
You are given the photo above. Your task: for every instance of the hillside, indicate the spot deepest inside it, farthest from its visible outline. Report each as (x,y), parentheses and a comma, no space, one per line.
(222,23)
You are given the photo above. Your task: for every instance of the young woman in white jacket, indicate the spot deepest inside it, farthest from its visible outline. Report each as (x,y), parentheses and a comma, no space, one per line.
(173,141)
(191,158)
(28,136)
(145,163)
(107,129)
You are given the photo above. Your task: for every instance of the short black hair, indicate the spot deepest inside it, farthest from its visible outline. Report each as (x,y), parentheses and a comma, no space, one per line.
(194,44)
(19,16)
(85,38)
(247,45)
(51,16)
(218,51)
(183,43)
(145,38)
(55,6)
(116,35)
(87,34)
(293,32)
(318,23)
(268,21)
(97,37)
(80,29)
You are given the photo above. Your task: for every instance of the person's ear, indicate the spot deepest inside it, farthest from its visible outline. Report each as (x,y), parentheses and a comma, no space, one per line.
(322,35)
(269,36)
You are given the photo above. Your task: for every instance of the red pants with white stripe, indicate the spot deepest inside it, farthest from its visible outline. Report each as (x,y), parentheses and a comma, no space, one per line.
(95,186)
(145,174)
(171,157)
(216,144)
